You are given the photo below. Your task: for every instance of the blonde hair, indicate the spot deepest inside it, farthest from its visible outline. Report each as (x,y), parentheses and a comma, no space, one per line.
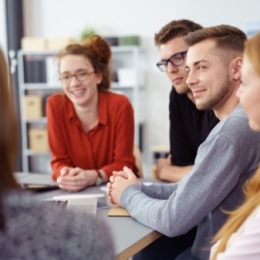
(252,51)
(252,187)
(238,216)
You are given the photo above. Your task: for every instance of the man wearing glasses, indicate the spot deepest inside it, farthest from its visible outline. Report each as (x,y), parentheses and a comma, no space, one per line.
(189,126)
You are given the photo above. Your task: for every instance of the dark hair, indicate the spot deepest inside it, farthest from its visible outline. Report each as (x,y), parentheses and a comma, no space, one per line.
(98,51)
(8,135)
(175,28)
(226,36)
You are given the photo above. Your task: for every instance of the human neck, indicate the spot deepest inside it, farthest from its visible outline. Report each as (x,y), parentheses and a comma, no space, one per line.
(228,104)
(88,114)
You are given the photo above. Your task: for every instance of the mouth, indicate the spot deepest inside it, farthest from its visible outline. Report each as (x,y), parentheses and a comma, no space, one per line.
(177,80)
(78,93)
(198,92)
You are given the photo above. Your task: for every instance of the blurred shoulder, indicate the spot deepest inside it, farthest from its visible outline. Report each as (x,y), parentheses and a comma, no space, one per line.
(57,97)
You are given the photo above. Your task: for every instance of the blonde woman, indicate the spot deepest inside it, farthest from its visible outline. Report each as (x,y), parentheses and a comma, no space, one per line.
(240,236)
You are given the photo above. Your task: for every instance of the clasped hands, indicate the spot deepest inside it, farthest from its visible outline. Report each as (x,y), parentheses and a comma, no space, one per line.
(119,181)
(76,179)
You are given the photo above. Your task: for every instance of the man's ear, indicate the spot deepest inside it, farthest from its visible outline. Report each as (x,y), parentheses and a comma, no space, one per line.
(236,68)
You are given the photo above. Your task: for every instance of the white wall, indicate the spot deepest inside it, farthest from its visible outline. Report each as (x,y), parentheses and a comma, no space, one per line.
(3,39)
(67,18)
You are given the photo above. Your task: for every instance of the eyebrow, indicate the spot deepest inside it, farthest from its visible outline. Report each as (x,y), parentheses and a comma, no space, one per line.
(179,52)
(196,63)
(74,72)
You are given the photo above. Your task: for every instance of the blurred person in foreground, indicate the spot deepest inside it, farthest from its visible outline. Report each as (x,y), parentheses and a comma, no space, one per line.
(34,230)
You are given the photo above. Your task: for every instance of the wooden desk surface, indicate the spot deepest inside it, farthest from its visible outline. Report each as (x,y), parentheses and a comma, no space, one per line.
(129,235)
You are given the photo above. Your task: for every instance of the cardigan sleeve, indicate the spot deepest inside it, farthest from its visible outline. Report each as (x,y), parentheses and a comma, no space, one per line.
(124,139)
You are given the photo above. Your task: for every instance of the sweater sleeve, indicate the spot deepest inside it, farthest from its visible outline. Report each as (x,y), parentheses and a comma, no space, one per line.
(124,139)
(60,156)
(159,191)
(174,216)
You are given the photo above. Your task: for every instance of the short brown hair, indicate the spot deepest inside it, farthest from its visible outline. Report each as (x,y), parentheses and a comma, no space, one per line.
(174,29)
(98,51)
(226,36)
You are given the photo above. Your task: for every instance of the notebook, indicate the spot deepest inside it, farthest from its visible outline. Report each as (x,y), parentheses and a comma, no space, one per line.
(117,211)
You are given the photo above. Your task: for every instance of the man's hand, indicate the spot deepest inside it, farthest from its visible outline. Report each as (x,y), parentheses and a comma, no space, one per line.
(119,182)
(167,172)
(161,163)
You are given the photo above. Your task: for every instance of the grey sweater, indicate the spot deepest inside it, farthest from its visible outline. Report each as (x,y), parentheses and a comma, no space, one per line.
(224,162)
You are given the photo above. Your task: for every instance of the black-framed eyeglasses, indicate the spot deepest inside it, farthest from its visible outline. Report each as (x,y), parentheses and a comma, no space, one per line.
(177,59)
(80,75)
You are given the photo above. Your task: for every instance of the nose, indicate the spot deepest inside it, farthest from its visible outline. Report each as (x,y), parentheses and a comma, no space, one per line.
(192,79)
(74,81)
(171,68)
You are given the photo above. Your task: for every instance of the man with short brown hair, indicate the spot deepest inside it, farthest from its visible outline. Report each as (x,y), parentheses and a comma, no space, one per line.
(189,126)
(224,162)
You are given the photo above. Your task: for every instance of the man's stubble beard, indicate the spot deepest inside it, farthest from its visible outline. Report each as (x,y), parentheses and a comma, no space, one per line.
(214,101)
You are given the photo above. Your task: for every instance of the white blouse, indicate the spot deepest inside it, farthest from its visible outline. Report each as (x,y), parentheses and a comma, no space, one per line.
(245,243)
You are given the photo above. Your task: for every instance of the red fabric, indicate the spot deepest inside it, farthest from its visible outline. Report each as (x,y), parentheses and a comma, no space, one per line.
(108,146)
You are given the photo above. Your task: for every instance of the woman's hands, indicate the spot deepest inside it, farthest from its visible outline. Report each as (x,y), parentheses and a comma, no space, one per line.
(76,179)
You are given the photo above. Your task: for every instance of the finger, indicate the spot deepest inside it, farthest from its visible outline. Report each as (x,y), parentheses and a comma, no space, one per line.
(64,171)
(59,180)
(109,187)
(71,188)
(75,171)
(128,171)
(111,200)
(71,180)
(120,173)
(112,178)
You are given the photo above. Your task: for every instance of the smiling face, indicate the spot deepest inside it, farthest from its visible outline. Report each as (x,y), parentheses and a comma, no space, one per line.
(81,93)
(249,93)
(208,75)
(177,75)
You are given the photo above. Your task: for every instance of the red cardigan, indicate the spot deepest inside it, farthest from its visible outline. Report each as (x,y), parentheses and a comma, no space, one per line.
(108,146)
